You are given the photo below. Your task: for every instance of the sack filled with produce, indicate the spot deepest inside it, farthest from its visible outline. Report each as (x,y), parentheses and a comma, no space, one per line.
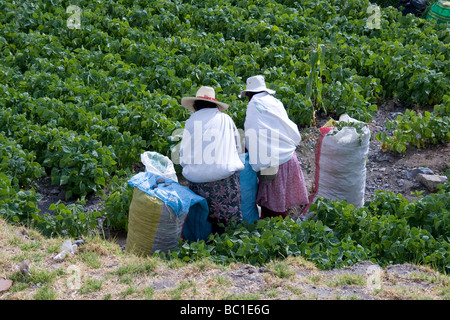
(161,213)
(341,155)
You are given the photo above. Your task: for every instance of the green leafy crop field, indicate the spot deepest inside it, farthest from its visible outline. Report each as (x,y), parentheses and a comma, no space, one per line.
(87,86)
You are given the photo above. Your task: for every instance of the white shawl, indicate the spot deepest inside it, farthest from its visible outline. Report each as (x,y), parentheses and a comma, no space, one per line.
(210,147)
(270,136)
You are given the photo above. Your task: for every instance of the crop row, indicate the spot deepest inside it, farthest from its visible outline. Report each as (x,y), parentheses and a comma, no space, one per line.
(386,230)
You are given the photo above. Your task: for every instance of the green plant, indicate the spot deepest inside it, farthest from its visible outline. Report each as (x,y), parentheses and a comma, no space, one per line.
(66,221)
(388,229)
(314,84)
(45,293)
(415,129)
(118,202)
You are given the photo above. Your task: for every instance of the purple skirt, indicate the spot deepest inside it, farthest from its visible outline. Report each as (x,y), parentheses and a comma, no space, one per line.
(288,189)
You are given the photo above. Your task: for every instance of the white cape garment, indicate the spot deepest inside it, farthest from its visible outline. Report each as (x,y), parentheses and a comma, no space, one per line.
(210,147)
(270,136)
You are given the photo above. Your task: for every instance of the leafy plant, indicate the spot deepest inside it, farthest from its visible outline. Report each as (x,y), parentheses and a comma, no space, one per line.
(117,203)
(415,129)
(67,220)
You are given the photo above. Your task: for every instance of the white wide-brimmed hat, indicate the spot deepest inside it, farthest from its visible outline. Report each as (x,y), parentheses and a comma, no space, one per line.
(256,84)
(206,94)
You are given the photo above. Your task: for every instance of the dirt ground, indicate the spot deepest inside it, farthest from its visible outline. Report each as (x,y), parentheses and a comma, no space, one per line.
(292,279)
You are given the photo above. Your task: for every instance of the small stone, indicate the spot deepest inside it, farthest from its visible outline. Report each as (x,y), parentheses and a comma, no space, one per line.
(78,243)
(411,174)
(5,284)
(431,181)
(24,267)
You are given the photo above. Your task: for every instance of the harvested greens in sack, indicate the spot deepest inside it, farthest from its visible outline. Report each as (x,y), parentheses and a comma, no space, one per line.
(152,225)
(341,155)
(249,188)
(162,212)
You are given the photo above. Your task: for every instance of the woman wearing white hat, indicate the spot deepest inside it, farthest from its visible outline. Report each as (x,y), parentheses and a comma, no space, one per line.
(271,139)
(209,155)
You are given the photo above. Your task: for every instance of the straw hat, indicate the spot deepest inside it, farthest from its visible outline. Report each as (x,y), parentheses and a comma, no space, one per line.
(205,94)
(256,84)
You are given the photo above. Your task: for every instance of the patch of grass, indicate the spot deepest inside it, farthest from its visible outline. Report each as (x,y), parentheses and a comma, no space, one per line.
(95,243)
(148,292)
(222,281)
(432,278)
(137,267)
(19,286)
(53,248)
(177,293)
(205,264)
(42,276)
(315,278)
(295,290)
(45,293)
(91,285)
(126,279)
(271,293)
(445,293)
(244,296)
(30,245)
(36,277)
(127,292)
(301,263)
(281,269)
(353,297)
(347,279)
(14,241)
(91,259)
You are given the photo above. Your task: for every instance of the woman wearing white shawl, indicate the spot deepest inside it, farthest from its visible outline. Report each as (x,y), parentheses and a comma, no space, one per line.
(209,155)
(271,139)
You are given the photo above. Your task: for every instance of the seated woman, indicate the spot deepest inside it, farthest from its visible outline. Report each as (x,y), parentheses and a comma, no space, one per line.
(209,155)
(269,131)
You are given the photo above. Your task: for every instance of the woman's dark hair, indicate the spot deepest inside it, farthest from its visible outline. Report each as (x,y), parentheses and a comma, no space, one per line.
(251,94)
(202,104)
